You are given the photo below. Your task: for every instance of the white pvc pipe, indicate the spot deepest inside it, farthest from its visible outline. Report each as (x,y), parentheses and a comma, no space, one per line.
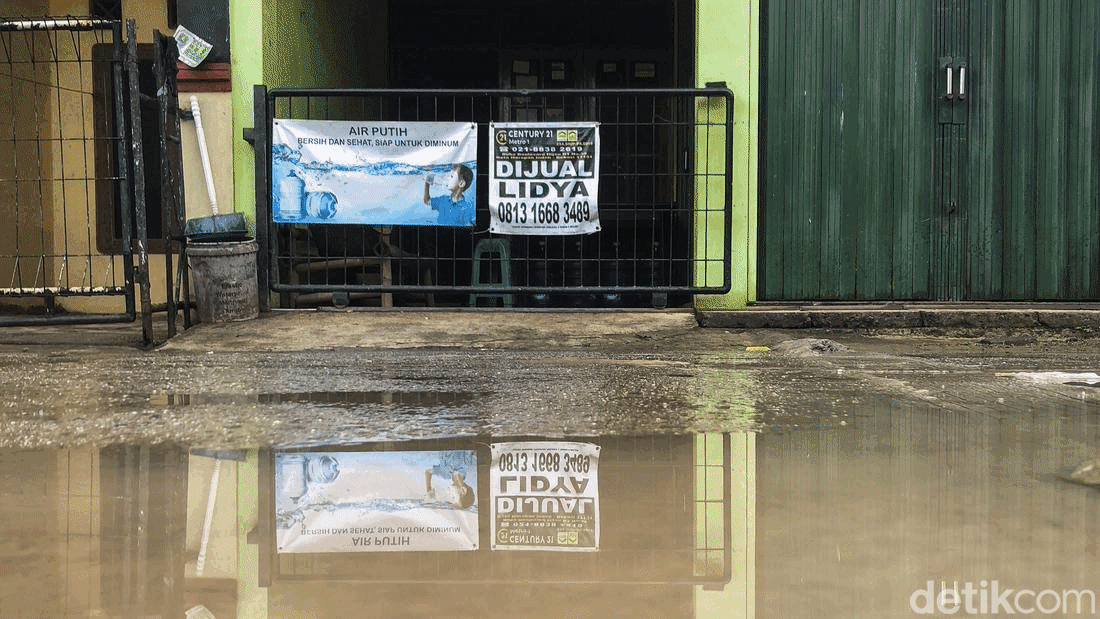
(204,155)
(50,24)
(210,500)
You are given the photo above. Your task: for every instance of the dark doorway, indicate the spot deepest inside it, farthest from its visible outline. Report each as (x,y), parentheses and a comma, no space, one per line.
(532,45)
(440,44)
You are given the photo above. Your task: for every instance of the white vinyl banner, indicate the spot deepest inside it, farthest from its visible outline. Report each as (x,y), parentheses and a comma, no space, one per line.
(545,496)
(544,178)
(379,173)
(376,501)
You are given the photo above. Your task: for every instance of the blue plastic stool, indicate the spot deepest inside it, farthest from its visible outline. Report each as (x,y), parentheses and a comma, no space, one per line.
(484,250)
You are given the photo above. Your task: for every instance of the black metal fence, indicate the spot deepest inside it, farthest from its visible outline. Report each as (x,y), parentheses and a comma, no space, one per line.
(664,188)
(72,187)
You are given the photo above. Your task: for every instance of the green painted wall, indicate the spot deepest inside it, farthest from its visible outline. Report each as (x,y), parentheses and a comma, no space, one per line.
(727,49)
(325,44)
(246,36)
(299,44)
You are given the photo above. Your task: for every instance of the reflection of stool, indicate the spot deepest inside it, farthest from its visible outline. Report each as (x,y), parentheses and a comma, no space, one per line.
(484,250)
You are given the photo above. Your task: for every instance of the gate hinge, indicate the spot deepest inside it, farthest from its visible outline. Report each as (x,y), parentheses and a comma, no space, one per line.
(249,135)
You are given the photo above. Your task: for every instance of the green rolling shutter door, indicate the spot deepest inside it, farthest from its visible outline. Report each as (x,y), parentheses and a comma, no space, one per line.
(878,183)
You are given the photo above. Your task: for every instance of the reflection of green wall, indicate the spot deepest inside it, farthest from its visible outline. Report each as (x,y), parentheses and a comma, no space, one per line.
(737,598)
(325,44)
(724,398)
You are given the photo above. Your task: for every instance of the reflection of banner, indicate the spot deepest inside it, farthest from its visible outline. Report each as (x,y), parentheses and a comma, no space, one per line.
(380,173)
(544,178)
(545,496)
(376,501)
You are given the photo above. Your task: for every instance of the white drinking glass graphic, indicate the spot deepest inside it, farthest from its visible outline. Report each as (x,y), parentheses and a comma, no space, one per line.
(442,182)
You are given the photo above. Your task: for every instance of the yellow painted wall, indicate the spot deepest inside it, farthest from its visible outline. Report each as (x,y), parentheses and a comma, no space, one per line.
(216,116)
(147,14)
(71,206)
(57,213)
(28,228)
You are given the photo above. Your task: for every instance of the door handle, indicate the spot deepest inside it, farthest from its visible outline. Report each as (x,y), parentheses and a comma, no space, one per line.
(949,70)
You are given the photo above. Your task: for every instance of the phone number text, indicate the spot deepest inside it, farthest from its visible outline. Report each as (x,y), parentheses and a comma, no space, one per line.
(544,212)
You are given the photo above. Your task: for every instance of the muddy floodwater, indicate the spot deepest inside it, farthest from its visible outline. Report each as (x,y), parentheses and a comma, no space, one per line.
(715,474)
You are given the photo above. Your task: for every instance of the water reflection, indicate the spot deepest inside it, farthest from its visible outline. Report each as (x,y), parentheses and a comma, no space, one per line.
(853,522)
(632,526)
(353,400)
(832,521)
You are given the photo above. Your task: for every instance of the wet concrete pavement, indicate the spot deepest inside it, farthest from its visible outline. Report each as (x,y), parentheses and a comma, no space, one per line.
(742,472)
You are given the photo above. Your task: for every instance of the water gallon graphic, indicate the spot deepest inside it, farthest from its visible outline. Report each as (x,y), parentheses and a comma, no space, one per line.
(321,204)
(291,190)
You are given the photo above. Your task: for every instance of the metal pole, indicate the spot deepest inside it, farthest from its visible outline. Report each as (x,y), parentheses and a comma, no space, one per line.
(161,81)
(141,272)
(261,148)
(124,187)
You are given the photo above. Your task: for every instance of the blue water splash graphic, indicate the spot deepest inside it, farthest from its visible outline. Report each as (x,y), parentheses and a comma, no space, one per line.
(376,193)
(287,519)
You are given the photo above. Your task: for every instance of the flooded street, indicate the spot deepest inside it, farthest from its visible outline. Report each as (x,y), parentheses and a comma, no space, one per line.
(680,473)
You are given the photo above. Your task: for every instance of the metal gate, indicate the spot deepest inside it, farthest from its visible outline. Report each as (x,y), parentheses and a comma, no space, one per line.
(72,183)
(665,178)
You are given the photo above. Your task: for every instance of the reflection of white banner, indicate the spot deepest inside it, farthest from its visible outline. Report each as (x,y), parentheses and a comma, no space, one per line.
(544,178)
(545,496)
(376,501)
(379,173)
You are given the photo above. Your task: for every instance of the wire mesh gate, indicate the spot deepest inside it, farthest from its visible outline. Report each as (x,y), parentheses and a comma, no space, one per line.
(72,181)
(664,189)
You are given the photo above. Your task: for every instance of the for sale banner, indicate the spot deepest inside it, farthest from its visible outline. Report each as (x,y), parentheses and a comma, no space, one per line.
(544,178)
(379,173)
(376,501)
(545,496)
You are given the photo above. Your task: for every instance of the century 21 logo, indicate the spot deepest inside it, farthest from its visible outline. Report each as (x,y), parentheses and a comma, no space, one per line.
(567,135)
